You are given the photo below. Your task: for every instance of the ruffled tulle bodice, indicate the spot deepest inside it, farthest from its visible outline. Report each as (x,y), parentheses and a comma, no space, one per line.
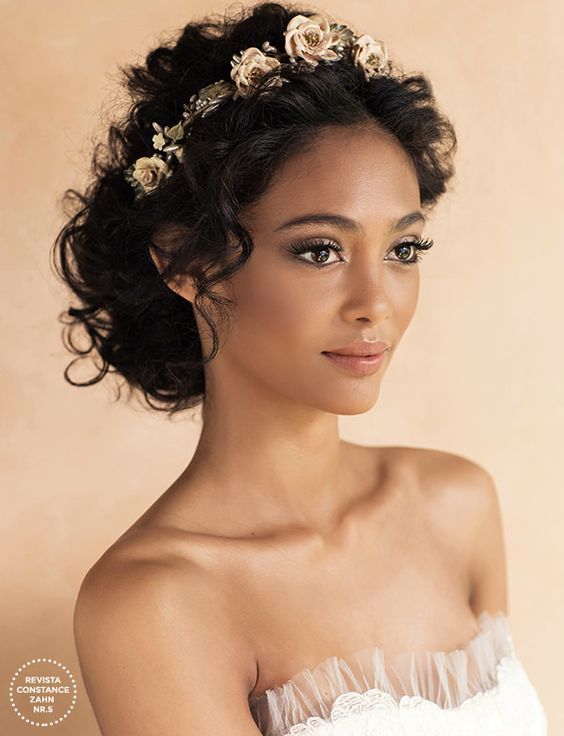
(480,688)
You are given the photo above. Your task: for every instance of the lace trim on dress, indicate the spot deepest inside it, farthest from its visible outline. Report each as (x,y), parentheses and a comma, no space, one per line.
(445,678)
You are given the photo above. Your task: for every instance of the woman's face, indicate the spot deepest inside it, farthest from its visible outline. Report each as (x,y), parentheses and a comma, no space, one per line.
(290,307)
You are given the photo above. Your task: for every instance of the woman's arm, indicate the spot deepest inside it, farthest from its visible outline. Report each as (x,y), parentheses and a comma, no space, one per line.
(158,652)
(488,557)
(464,507)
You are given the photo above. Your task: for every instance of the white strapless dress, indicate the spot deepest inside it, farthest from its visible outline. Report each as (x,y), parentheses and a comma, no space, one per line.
(480,689)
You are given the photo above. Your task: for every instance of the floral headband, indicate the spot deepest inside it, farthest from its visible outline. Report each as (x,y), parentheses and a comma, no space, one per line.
(309,40)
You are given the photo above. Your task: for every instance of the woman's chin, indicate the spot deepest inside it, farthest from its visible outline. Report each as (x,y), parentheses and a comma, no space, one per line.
(353,401)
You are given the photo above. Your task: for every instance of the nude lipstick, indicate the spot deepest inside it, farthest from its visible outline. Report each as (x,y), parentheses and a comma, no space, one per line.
(362,357)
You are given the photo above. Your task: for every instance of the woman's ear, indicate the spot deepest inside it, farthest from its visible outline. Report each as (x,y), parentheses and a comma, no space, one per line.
(164,243)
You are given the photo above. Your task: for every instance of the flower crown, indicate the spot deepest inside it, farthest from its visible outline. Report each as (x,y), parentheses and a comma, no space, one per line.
(308,40)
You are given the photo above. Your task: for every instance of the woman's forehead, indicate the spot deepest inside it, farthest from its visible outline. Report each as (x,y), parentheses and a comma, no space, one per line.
(366,170)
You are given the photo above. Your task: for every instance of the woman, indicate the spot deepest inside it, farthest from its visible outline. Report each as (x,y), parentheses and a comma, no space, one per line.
(250,245)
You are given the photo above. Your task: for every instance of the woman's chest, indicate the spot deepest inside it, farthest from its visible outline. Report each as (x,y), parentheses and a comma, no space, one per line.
(404,588)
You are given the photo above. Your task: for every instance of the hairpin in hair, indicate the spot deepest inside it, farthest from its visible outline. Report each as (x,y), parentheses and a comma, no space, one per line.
(308,40)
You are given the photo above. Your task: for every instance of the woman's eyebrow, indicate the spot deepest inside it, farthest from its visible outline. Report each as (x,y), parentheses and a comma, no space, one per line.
(345,223)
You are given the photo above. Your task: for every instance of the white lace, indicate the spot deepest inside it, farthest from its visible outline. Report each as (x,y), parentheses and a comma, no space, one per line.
(481,688)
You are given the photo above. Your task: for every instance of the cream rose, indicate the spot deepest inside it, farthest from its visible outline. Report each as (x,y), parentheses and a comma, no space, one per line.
(310,38)
(369,54)
(149,171)
(249,67)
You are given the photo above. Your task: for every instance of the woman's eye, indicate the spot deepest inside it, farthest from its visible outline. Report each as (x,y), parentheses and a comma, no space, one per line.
(419,247)
(408,253)
(321,250)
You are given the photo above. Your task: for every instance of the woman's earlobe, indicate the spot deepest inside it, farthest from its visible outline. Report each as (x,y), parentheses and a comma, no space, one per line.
(181,285)
(156,260)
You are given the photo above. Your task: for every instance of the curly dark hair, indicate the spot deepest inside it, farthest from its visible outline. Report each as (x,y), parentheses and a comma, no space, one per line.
(138,326)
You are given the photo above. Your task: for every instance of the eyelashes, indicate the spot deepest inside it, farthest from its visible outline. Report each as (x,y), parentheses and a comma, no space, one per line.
(312,245)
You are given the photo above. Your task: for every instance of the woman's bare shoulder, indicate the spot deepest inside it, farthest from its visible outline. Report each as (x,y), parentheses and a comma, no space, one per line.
(455,490)
(158,649)
(449,475)
(152,572)
(437,471)
(464,504)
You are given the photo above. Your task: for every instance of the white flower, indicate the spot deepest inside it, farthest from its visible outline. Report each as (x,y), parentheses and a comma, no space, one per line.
(310,38)
(149,171)
(369,54)
(249,67)
(167,138)
(159,141)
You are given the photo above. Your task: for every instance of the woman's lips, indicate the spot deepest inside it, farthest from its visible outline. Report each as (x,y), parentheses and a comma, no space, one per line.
(359,364)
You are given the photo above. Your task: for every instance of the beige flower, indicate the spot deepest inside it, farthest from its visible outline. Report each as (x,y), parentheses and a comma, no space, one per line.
(149,171)
(369,54)
(172,134)
(310,38)
(248,68)
(159,141)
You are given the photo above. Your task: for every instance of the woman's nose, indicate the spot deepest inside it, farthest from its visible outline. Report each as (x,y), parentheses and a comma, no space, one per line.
(367,293)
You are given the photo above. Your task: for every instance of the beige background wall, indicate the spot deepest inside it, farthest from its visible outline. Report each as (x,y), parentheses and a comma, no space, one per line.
(479,372)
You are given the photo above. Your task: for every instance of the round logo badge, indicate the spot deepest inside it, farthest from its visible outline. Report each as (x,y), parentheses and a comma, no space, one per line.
(42,692)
